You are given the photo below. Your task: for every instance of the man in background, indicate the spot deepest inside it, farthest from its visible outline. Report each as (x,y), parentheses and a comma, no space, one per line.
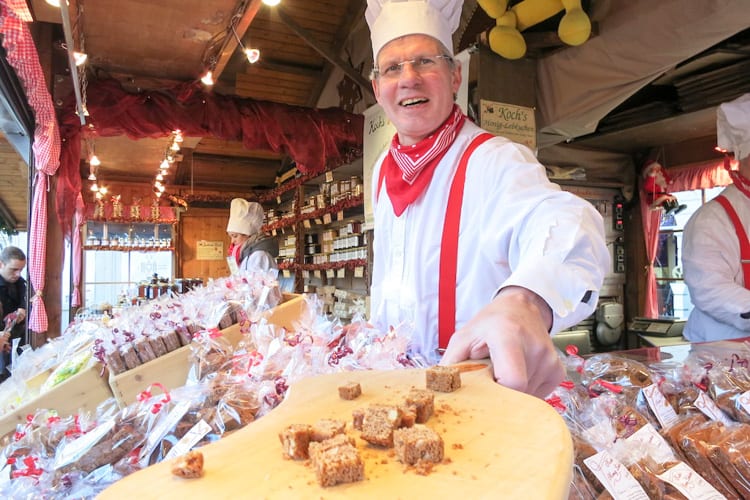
(13,301)
(716,251)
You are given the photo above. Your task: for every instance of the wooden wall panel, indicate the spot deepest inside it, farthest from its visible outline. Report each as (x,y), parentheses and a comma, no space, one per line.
(202,224)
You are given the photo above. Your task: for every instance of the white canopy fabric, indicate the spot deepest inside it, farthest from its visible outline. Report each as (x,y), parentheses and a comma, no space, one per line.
(638,41)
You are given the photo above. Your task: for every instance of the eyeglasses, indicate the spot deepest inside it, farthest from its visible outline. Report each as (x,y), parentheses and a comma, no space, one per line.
(421,64)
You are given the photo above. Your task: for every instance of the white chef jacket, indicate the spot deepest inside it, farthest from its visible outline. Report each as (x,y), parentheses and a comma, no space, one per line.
(713,272)
(517,228)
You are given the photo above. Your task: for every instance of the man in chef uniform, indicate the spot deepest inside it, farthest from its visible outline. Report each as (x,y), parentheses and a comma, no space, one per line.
(716,251)
(485,257)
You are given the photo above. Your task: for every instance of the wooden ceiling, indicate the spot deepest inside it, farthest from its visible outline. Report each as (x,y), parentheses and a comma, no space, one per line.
(151,45)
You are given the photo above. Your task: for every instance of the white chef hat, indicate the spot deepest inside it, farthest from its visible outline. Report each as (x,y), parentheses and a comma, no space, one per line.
(391,19)
(733,126)
(245,217)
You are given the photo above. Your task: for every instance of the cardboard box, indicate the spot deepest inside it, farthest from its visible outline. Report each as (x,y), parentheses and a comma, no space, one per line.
(171,370)
(84,391)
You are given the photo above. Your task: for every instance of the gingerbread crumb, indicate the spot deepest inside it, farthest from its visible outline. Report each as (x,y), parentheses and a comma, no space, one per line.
(457,446)
(189,465)
(424,467)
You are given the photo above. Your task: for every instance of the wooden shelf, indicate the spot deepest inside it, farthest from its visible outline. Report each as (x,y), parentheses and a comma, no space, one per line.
(316,214)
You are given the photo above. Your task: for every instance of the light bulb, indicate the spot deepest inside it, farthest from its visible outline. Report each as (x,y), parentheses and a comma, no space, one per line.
(163,172)
(159,177)
(161,188)
(272,3)
(174,146)
(103,190)
(164,164)
(92,177)
(158,194)
(94,161)
(94,187)
(79,57)
(99,196)
(208,78)
(177,136)
(54,3)
(252,55)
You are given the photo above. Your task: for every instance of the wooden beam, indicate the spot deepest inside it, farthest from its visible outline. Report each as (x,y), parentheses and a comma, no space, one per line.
(230,43)
(323,51)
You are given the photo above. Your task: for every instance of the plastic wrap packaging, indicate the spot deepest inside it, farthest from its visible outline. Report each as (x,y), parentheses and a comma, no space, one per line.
(209,351)
(694,437)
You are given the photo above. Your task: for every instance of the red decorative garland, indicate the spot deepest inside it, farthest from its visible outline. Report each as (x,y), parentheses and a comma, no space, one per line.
(348,264)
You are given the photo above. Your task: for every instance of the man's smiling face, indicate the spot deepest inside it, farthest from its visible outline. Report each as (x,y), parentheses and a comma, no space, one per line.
(417,100)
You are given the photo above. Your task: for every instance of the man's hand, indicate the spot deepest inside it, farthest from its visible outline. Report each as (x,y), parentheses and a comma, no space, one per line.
(513,331)
(20,315)
(4,336)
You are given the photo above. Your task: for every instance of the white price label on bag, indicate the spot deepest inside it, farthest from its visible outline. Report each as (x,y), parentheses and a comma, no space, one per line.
(689,483)
(664,412)
(614,476)
(707,405)
(189,440)
(359,272)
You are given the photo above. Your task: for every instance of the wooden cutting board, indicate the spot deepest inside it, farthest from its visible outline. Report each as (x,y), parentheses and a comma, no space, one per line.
(499,443)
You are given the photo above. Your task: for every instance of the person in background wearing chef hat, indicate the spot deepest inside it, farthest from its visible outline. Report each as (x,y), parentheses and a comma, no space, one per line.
(490,264)
(716,251)
(250,248)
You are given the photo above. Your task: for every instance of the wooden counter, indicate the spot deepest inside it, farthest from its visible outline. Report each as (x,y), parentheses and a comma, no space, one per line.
(499,443)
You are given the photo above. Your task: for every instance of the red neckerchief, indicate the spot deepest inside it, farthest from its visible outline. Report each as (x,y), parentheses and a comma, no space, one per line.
(408,170)
(235,250)
(740,181)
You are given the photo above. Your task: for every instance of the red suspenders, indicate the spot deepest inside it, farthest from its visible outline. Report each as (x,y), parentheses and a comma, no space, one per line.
(449,247)
(449,244)
(741,236)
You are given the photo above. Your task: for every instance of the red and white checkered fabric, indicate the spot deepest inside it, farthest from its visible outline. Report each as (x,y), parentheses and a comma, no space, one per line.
(22,56)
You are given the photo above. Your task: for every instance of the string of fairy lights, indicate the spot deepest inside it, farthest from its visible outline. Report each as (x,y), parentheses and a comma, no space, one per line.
(75,47)
(170,157)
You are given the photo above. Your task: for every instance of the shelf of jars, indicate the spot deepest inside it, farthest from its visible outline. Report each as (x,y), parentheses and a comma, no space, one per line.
(351,264)
(161,247)
(128,237)
(324,214)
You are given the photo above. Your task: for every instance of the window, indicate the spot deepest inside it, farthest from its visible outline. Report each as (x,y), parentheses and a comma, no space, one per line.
(119,256)
(672,293)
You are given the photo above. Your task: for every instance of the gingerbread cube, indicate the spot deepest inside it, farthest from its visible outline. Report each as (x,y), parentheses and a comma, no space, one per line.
(378,424)
(443,378)
(418,444)
(351,390)
(295,440)
(424,403)
(336,461)
(326,428)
